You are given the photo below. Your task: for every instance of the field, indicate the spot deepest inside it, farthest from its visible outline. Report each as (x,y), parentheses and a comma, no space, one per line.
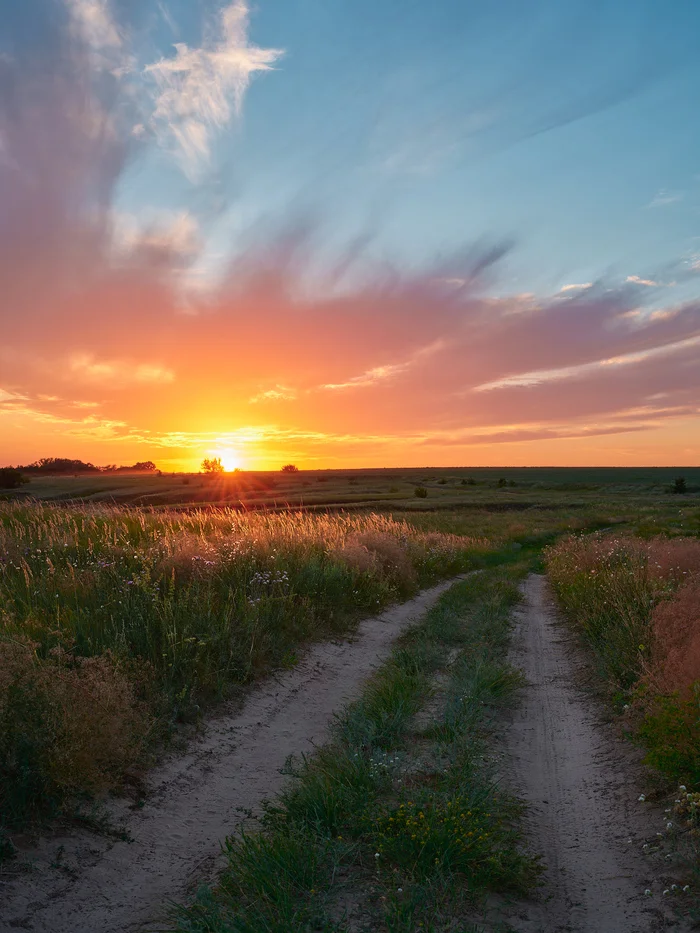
(506,488)
(122,627)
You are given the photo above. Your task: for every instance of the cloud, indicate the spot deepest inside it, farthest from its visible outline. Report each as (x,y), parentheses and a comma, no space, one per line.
(117,372)
(372,377)
(279,393)
(664,197)
(93,22)
(173,236)
(636,279)
(199,89)
(574,287)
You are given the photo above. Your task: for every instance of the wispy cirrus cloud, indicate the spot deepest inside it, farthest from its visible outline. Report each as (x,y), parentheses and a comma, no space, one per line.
(277,394)
(200,89)
(85,366)
(664,197)
(93,22)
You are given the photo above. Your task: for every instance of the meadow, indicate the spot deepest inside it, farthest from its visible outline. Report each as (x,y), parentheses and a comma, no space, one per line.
(121,624)
(116,624)
(507,488)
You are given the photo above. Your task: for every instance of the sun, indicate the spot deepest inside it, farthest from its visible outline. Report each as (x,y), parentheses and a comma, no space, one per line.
(229,460)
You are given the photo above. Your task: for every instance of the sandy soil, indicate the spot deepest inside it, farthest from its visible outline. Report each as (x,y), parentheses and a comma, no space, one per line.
(84,883)
(582,791)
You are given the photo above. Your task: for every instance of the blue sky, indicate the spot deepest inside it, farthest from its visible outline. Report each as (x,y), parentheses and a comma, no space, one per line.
(567,126)
(349,233)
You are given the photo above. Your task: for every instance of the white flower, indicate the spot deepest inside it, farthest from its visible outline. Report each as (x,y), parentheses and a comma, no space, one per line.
(669,825)
(642,798)
(400,890)
(376,854)
(682,787)
(674,887)
(686,888)
(645,846)
(666,891)
(647,892)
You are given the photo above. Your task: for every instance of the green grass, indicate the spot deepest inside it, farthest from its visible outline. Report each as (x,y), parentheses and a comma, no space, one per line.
(446,488)
(410,829)
(115,623)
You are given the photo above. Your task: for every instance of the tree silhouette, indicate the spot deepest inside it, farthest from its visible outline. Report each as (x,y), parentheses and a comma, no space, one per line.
(213,466)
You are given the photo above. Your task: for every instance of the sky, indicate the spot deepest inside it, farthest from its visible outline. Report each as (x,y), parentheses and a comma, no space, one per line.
(342,234)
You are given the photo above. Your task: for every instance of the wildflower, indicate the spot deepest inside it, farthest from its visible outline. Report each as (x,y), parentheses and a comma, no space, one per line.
(641,798)
(682,787)
(669,825)
(686,888)
(666,891)
(376,854)
(647,892)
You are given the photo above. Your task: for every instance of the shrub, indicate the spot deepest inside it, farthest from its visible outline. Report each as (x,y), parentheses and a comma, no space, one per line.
(679,486)
(289,468)
(420,492)
(11,478)
(67,724)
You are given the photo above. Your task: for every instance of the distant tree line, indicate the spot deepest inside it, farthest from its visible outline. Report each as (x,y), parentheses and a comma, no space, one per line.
(61,465)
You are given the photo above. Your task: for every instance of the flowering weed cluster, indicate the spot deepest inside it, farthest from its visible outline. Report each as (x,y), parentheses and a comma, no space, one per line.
(638,604)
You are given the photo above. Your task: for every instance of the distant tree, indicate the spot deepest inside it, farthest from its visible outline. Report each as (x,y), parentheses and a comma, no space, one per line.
(60,465)
(213,466)
(679,486)
(290,468)
(502,483)
(11,478)
(420,492)
(144,466)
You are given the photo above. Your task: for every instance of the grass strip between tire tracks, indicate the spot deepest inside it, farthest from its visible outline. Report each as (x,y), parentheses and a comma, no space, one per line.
(390,826)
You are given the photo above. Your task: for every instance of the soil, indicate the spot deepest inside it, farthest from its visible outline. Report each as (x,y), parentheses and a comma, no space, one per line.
(581,786)
(83,883)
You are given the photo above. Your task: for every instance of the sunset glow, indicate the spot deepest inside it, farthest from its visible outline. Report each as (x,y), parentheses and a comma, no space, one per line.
(229,460)
(217,234)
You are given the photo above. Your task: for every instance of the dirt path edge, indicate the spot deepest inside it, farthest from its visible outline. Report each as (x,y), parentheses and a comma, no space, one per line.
(85,883)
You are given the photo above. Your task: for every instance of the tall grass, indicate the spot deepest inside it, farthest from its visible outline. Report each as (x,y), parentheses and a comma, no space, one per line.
(638,604)
(115,622)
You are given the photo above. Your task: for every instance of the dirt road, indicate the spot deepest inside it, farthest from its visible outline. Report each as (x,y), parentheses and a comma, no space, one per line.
(85,884)
(584,816)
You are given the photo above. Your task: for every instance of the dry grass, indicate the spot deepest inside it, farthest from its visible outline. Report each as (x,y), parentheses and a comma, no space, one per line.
(674,663)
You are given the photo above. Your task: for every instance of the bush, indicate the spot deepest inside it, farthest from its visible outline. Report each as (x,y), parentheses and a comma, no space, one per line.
(679,486)
(11,478)
(420,492)
(289,468)
(67,724)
